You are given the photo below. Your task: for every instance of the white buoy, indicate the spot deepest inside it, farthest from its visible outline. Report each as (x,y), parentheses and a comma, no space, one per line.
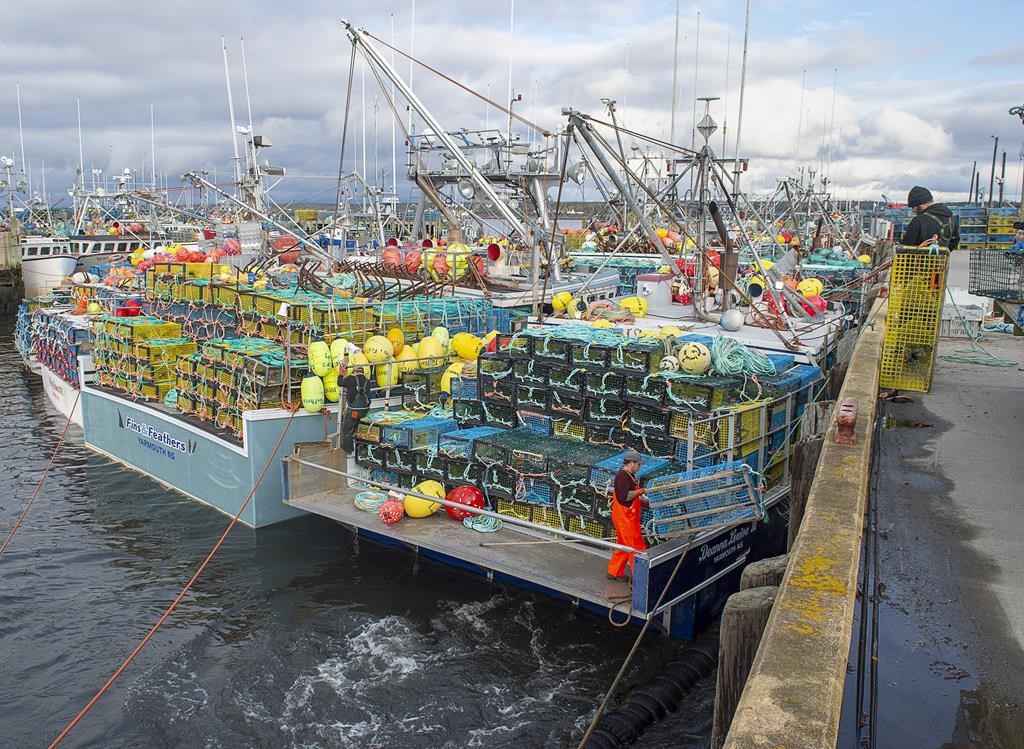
(731,320)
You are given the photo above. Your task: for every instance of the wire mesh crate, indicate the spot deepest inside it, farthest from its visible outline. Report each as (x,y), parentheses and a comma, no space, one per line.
(465,388)
(566,406)
(417,434)
(529,372)
(551,348)
(607,436)
(640,356)
(535,398)
(659,447)
(499,415)
(535,423)
(568,380)
(917,285)
(704,498)
(582,501)
(515,449)
(605,384)
(461,471)
(568,429)
(649,420)
(590,356)
(423,386)
(497,364)
(998,274)
(369,454)
(399,459)
(649,389)
(459,444)
(518,346)
(430,465)
(497,390)
(702,393)
(604,412)
(468,413)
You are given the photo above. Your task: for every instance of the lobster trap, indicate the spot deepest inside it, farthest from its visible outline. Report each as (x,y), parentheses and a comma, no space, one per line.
(529,372)
(531,398)
(998,274)
(497,390)
(649,420)
(602,476)
(550,348)
(468,413)
(459,444)
(590,356)
(702,393)
(691,501)
(498,415)
(604,384)
(640,356)
(567,380)
(566,407)
(430,465)
(417,434)
(649,389)
(917,286)
(604,412)
(423,386)
(535,423)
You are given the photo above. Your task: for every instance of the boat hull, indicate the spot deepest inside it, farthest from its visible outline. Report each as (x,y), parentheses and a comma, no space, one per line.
(43,274)
(62,395)
(203,466)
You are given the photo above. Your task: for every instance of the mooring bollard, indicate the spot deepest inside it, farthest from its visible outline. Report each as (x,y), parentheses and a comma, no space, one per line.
(764,572)
(743,622)
(846,422)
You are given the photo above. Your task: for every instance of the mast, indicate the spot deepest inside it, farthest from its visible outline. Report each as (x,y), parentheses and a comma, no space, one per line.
(81,157)
(394,152)
(696,67)
(511,29)
(739,116)
(675,77)
(21,138)
(231,114)
(152,144)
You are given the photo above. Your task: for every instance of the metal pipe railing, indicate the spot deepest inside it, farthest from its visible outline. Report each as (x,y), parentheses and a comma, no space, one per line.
(476,511)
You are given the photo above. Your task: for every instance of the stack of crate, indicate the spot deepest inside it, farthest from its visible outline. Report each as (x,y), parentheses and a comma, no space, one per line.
(1000,228)
(137,354)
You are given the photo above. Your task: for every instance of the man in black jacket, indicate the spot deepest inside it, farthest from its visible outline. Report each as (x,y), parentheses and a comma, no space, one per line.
(933,222)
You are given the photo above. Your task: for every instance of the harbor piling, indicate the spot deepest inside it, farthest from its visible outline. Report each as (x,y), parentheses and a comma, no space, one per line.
(743,622)
(764,572)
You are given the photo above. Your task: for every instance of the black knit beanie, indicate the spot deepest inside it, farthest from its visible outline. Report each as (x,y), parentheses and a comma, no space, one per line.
(918,196)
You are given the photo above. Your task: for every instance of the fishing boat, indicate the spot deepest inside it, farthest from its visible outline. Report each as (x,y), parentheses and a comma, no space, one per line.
(45,263)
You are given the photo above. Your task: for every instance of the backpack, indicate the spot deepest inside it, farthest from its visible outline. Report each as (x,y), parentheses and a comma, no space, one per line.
(947,228)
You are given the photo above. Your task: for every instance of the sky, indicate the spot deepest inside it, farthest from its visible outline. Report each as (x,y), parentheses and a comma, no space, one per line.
(892,95)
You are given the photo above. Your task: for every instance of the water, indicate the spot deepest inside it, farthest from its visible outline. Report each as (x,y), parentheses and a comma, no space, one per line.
(297,635)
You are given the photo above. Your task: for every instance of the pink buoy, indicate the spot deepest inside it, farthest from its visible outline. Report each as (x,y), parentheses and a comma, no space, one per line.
(391,511)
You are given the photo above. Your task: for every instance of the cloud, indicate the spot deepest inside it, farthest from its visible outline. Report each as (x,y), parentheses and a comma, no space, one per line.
(1010,56)
(889,130)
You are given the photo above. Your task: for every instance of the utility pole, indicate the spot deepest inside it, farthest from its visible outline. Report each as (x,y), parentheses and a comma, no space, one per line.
(992,174)
(1002,178)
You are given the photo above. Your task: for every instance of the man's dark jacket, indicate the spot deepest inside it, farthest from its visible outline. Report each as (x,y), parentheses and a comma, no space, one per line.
(937,219)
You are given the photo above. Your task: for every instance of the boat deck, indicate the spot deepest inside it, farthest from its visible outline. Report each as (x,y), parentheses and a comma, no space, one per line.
(570,571)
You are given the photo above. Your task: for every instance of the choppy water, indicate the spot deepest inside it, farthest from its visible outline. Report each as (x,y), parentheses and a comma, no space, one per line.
(295,636)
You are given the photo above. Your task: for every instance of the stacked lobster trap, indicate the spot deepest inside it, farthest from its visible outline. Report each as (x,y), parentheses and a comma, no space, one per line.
(542,427)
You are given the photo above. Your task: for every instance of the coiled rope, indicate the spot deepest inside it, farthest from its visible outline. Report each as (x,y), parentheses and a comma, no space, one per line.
(483,524)
(730,357)
(369,501)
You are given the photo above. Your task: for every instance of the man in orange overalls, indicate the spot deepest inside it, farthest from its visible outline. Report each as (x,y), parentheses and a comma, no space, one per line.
(627,499)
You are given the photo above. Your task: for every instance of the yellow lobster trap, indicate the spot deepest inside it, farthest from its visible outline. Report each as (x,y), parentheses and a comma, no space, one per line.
(917,285)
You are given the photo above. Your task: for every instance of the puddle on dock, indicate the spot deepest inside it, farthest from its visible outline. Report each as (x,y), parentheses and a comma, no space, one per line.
(891,422)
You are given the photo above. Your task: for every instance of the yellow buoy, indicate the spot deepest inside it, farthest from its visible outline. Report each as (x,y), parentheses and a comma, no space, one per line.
(671,330)
(440,334)
(406,359)
(466,346)
(635,304)
(397,338)
(454,370)
(377,349)
(312,390)
(94,308)
(810,287)
(866,259)
(601,324)
(431,352)
(387,374)
(560,301)
(356,360)
(320,358)
(331,388)
(339,350)
(416,507)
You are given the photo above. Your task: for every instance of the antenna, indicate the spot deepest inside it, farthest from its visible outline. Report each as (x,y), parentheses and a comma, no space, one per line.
(21,137)
(231,113)
(152,145)
(675,72)
(739,116)
(245,78)
(511,29)
(412,54)
(394,154)
(696,68)
(800,117)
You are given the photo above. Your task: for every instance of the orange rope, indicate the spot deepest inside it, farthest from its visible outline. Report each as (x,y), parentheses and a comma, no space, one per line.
(174,604)
(43,477)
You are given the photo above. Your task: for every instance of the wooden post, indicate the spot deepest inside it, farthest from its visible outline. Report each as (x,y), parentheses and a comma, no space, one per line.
(765,572)
(805,461)
(743,622)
